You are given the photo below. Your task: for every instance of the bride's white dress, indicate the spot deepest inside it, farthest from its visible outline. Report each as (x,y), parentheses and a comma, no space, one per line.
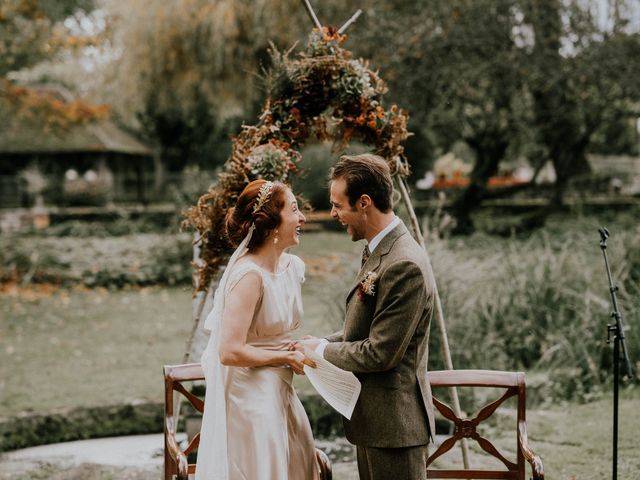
(268,436)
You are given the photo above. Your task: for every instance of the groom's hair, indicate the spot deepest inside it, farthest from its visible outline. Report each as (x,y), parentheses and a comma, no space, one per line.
(365,174)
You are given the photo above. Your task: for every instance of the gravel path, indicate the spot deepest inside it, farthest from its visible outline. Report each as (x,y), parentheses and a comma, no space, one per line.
(126,458)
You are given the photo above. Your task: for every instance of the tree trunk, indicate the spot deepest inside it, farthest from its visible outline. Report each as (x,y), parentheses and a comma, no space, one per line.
(557,115)
(568,163)
(486,165)
(158,171)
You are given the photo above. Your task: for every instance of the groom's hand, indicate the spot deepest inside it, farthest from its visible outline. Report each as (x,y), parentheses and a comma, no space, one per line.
(308,341)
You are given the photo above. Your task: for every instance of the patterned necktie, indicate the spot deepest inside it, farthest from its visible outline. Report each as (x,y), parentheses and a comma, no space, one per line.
(365,255)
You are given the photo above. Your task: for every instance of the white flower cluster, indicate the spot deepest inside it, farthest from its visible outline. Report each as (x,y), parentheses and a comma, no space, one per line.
(363,75)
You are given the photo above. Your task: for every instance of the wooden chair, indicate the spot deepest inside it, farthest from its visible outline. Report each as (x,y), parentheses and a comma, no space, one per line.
(175,459)
(467,427)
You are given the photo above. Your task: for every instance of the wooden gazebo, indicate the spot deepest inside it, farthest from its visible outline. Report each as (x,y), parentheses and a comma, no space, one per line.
(82,145)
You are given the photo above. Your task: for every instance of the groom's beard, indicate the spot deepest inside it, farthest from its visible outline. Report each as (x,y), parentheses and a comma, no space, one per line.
(354,233)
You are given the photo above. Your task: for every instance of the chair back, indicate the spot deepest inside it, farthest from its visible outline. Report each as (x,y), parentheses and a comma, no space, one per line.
(175,459)
(467,428)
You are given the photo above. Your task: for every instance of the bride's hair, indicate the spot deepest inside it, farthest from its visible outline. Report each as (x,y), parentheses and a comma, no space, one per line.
(266,218)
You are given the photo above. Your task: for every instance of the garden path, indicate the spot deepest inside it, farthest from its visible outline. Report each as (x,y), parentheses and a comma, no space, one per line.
(136,457)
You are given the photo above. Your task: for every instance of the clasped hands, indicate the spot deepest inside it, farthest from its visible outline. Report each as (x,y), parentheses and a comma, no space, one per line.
(299,360)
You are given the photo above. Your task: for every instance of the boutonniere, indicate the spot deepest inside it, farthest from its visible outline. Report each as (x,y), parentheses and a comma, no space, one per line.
(367,285)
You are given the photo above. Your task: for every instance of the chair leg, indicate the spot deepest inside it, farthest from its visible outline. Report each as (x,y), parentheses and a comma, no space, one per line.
(169,467)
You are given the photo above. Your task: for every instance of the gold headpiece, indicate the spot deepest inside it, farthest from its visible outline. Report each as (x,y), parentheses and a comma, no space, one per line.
(263,196)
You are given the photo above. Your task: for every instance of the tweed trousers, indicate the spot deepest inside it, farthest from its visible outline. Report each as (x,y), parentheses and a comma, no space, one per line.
(408,463)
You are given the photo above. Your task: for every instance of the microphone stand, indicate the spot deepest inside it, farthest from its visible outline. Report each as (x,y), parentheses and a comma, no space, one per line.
(618,343)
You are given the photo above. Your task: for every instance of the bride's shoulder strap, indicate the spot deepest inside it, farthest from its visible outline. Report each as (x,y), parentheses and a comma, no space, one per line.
(298,267)
(240,270)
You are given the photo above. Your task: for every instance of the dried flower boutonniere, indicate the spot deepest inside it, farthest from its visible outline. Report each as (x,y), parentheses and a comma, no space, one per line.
(367,286)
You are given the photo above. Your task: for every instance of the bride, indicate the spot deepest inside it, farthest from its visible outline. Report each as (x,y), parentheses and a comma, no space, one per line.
(254,426)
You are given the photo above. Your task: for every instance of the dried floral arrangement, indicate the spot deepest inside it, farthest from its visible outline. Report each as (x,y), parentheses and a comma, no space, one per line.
(322,93)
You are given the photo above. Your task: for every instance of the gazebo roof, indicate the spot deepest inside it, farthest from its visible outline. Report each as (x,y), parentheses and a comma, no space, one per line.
(22,134)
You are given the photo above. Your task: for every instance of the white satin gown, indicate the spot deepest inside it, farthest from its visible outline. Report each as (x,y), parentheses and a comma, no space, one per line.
(268,433)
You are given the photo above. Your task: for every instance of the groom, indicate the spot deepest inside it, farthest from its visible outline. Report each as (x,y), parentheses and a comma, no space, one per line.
(385,337)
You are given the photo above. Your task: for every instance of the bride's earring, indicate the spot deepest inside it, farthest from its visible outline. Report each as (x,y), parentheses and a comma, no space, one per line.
(276,239)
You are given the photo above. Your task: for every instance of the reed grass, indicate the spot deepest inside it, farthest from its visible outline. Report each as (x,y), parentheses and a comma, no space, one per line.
(540,303)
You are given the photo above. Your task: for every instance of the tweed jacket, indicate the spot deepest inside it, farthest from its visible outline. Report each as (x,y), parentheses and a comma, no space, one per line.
(385,344)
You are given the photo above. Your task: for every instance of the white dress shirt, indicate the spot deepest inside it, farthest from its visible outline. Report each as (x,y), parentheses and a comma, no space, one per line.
(375,241)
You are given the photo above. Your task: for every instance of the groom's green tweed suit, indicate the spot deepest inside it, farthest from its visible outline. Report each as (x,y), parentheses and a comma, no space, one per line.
(385,343)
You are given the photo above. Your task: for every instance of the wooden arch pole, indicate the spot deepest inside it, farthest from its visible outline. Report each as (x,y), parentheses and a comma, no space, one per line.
(404,192)
(442,328)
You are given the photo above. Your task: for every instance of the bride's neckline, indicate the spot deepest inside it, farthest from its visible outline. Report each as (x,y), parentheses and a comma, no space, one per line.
(279,272)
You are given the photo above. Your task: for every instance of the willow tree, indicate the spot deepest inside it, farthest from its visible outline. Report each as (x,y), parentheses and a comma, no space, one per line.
(189,69)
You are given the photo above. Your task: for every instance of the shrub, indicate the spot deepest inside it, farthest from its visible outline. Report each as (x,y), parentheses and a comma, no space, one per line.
(538,304)
(143,259)
(157,223)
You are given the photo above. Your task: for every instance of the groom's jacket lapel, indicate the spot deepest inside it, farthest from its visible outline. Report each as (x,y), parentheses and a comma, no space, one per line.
(402,392)
(374,261)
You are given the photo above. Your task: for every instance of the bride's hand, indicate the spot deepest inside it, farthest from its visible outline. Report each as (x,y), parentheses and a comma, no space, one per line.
(297,361)
(294,345)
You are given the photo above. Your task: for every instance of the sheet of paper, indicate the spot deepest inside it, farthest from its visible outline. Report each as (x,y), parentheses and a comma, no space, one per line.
(338,387)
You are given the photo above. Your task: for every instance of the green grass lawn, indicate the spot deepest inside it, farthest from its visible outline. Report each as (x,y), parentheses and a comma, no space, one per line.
(63,348)
(575,441)
(79,347)
(83,348)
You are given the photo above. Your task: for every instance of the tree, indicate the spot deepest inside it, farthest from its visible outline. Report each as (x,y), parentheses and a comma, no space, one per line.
(505,76)
(536,77)
(30,30)
(456,65)
(188,72)
(580,86)
(484,77)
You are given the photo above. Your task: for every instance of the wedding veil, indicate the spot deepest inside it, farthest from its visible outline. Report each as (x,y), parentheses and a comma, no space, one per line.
(212,452)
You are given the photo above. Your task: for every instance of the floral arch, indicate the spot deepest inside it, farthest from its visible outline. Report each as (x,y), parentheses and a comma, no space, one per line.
(322,93)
